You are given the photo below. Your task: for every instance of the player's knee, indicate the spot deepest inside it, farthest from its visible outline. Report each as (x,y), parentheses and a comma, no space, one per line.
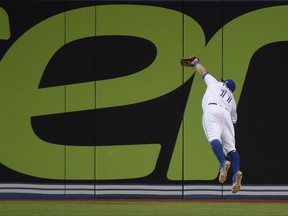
(215,142)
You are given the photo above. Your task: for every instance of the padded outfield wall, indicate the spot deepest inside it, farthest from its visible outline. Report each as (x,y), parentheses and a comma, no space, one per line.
(94,102)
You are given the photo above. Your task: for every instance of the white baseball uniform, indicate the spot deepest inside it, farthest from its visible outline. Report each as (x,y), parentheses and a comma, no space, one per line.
(219,113)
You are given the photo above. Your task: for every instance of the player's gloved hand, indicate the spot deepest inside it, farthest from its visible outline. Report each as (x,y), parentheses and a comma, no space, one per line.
(189,62)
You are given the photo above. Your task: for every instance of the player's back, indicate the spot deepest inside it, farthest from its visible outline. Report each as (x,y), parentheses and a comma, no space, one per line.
(217,93)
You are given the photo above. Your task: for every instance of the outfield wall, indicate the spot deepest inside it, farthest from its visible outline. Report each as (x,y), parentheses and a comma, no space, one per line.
(94,102)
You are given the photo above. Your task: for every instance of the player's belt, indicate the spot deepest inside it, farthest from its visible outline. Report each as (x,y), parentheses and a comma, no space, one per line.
(217,104)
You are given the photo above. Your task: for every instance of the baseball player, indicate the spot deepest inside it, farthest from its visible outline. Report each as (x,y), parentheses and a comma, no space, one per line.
(219,121)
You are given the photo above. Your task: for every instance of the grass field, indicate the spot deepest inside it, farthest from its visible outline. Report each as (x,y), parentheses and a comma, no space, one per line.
(140,208)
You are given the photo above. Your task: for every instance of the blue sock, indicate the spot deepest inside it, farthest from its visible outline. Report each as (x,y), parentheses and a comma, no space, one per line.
(218,151)
(235,161)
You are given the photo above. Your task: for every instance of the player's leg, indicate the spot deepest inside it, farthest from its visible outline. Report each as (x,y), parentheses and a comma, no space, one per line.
(228,138)
(235,160)
(217,148)
(212,119)
(224,165)
(237,174)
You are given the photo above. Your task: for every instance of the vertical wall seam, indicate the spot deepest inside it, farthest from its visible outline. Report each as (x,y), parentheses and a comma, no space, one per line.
(95,97)
(65,102)
(183,155)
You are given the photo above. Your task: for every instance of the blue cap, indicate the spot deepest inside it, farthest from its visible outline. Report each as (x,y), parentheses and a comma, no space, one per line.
(230,84)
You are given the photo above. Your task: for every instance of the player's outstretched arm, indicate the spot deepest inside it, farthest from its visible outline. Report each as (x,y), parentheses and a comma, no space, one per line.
(199,67)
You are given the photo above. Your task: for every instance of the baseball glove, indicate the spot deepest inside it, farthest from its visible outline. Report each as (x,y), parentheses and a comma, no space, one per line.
(187,62)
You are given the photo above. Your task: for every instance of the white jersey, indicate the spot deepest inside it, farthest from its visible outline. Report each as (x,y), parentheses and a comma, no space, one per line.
(218,93)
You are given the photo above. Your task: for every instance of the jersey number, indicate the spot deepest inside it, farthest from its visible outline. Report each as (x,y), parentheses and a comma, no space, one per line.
(223,93)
